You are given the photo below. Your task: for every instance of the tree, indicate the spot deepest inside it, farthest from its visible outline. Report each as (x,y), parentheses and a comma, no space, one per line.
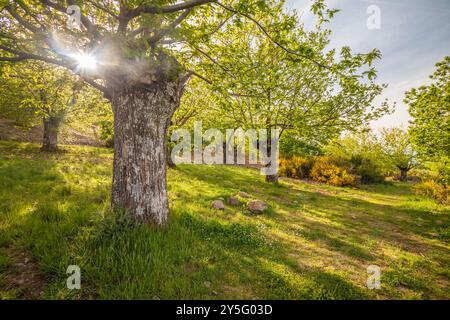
(140,54)
(271,89)
(430,108)
(46,92)
(363,150)
(396,145)
(363,143)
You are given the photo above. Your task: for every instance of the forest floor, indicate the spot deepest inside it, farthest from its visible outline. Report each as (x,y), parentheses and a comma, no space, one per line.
(315,242)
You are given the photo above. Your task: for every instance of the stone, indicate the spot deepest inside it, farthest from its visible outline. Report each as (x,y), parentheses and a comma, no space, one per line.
(218,205)
(257,206)
(234,201)
(207,284)
(243,194)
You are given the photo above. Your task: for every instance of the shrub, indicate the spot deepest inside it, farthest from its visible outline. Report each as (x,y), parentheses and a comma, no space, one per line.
(296,167)
(368,172)
(333,171)
(433,189)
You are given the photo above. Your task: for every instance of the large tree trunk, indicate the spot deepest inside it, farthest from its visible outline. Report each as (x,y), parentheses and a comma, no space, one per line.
(50,137)
(141,118)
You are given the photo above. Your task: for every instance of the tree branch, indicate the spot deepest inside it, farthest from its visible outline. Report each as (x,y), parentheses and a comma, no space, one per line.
(163,32)
(213,60)
(21,56)
(21,20)
(200,77)
(100,7)
(152,9)
(84,20)
(11,59)
(263,29)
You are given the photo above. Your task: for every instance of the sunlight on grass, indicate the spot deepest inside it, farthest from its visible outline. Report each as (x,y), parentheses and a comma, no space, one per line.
(315,242)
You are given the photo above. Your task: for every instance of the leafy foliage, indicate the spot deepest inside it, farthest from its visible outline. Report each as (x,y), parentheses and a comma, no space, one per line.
(433,189)
(296,167)
(430,108)
(332,171)
(430,129)
(258,85)
(37,90)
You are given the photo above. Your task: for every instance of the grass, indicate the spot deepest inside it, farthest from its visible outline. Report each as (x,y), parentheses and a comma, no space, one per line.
(315,242)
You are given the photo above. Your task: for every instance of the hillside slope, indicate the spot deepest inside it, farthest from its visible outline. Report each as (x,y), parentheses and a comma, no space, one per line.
(12,132)
(315,242)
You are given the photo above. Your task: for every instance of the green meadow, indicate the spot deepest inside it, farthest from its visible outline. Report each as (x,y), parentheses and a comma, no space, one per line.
(315,241)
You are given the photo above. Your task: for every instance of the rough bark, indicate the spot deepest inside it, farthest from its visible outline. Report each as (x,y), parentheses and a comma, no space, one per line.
(170,162)
(270,177)
(50,136)
(142,115)
(403,174)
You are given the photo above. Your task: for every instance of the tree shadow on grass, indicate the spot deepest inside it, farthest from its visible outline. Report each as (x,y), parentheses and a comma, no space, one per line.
(141,262)
(43,212)
(276,275)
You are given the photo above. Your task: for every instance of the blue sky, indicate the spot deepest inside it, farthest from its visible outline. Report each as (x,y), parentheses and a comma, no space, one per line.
(414,35)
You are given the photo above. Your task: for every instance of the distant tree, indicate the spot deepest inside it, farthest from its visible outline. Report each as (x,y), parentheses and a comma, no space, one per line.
(195,105)
(34,91)
(362,149)
(45,91)
(361,143)
(396,146)
(430,128)
(292,144)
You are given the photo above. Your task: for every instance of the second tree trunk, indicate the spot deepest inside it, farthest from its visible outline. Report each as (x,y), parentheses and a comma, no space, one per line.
(50,136)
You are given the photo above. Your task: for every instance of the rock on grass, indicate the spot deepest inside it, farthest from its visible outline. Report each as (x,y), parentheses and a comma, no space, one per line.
(218,205)
(257,206)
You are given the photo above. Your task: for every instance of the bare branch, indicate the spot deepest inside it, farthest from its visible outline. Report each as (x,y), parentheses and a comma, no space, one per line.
(152,9)
(84,20)
(137,31)
(100,7)
(163,32)
(200,77)
(12,11)
(21,56)
(97,86)
(11,59)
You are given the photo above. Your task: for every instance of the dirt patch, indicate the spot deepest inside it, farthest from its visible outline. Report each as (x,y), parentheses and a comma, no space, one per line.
(24,277)
(237,291)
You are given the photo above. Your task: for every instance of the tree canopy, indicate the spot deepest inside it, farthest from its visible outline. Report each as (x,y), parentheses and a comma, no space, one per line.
(430,108)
